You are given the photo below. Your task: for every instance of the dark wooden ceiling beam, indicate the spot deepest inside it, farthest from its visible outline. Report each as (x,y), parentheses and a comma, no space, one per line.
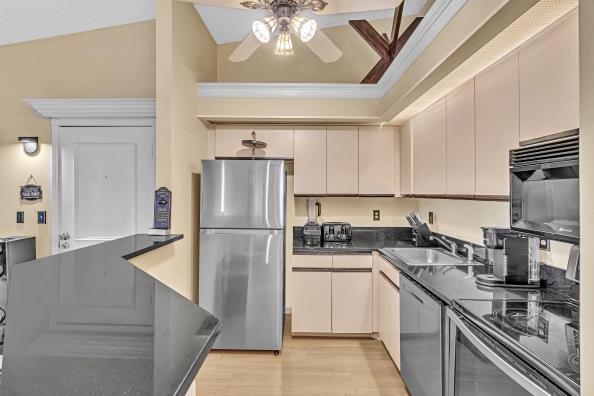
(372,37)
(386,47)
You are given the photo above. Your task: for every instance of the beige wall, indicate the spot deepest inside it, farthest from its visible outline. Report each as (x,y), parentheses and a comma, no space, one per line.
(264,66)
(586,193)
(112,62)
(464,219)
(186,54)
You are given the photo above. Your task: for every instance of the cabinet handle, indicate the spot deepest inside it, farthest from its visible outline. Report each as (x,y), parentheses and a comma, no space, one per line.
(389,280)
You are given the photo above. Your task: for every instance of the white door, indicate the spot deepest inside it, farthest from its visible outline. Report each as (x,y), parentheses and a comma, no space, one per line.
(106,184)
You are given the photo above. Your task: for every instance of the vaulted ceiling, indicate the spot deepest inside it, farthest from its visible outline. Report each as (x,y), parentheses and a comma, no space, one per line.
(25,20)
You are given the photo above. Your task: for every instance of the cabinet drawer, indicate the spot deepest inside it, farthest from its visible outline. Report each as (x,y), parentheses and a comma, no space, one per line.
(390,271)
(353,261)
(312,261)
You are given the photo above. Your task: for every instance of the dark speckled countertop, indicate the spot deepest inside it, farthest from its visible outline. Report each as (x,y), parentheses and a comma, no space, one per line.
(87,322)
(365,240)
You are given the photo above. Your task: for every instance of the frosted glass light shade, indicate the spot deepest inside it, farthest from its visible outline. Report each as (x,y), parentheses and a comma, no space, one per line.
(263,28)
(305,28)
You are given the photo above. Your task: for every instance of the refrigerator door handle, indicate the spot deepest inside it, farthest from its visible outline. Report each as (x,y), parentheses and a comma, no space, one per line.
(233,231)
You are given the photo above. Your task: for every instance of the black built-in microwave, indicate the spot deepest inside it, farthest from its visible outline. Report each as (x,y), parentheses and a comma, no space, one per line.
(545,190)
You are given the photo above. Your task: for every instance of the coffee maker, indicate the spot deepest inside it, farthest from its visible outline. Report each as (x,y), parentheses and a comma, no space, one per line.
(312,231)
(515,259)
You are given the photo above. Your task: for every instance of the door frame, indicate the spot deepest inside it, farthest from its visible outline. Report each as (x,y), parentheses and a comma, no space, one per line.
(140,112)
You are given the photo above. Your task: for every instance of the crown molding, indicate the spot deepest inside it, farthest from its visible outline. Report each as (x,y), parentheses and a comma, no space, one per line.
(437,18)
(94,108)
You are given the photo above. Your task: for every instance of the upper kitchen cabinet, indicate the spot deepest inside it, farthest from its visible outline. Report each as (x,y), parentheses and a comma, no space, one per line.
(310,161)
(406,158)
(279,139)
(429,150)
(497,125)
(342,160)
(549,80)
(376,160)
(460,131)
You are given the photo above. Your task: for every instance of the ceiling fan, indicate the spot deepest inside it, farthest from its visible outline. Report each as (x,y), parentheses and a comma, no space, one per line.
(286,19)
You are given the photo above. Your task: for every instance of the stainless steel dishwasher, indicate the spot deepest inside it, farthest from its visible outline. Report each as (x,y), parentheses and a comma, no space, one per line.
(421,340)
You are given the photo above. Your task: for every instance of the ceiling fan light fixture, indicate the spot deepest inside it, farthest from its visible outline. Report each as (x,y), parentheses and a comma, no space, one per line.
(263,28)
(284,45)
(305,28)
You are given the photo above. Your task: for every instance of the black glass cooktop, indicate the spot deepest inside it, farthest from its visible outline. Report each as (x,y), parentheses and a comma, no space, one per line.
(547,333)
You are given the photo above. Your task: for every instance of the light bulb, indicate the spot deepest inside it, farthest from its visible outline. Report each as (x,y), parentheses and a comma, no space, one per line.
(284,45)
(263,28)
(305,28)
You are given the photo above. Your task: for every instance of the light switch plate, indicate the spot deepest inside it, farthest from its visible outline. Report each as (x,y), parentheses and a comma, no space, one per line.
(431,217)
(544,244)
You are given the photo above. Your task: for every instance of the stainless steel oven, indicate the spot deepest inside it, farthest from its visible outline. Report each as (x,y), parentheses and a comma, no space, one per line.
(544,190)
(479,365)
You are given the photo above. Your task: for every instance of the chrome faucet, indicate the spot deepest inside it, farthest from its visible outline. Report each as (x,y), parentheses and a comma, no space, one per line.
(469,251)
(451,246)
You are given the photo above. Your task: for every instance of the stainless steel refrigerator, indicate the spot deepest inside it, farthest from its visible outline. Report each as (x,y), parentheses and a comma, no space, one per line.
(242,251)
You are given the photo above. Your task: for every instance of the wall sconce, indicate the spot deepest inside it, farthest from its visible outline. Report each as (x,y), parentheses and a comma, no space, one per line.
(30,144)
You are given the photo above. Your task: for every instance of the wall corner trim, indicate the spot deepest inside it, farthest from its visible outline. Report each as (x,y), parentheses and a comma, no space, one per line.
(94,108)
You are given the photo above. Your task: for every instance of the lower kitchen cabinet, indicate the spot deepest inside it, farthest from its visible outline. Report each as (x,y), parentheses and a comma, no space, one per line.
(351,302)
(389,315)
(332,294)
(312,305)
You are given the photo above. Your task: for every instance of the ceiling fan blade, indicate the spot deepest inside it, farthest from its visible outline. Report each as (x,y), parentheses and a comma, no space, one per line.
(324,48)
(245,49)
(416,7)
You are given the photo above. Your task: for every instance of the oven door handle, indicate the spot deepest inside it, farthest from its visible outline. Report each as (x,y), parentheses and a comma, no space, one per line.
(497,360)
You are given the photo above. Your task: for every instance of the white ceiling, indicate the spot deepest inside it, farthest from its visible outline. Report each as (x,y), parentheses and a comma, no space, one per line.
(229,25)
(24,20)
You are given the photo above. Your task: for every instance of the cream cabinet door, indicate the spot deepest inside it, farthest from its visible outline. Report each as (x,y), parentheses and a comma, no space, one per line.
(497,124)
(228,139)
(549,80)
(310,161)
(376,160)
(389,320)
(385,313)
(352,302)
(312,301)
(406,187)
(460,129)
(429,150)
(395,325)
(342,147)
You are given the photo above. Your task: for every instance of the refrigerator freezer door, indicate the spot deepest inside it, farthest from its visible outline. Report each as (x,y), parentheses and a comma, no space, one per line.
(241,282)
(242,194)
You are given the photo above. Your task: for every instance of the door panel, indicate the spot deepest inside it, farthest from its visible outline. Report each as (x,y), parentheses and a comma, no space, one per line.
(312,302)
(342,161)
(107,182)
(243,194)
(310,161)
(351,302)
(241,282)
(376,160)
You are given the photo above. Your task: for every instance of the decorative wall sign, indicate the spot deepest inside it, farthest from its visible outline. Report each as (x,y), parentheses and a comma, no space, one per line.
(162,209)
(31,191)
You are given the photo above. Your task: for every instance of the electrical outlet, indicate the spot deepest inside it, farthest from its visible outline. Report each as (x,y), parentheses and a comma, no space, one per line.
(41,217)
(431,217)
(376,215)
(20,217)
(544,244)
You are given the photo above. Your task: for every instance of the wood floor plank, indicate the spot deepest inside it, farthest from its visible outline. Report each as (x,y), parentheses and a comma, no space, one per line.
(306,367)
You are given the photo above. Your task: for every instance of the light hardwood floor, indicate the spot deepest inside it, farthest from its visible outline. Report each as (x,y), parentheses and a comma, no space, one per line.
(306,366)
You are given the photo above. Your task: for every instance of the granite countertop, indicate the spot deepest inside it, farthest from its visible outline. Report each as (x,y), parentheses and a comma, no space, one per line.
(87,322)
(455,283)
(364,241)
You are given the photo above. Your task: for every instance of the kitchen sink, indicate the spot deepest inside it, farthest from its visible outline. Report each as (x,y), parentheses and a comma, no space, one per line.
(425,257)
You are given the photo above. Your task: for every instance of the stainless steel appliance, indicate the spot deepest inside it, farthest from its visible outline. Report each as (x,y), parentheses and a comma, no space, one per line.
(421,340)
(312,231)
(513,348)
(13,250)
(544,190)
(337,232)
(242,251)
(515,264)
